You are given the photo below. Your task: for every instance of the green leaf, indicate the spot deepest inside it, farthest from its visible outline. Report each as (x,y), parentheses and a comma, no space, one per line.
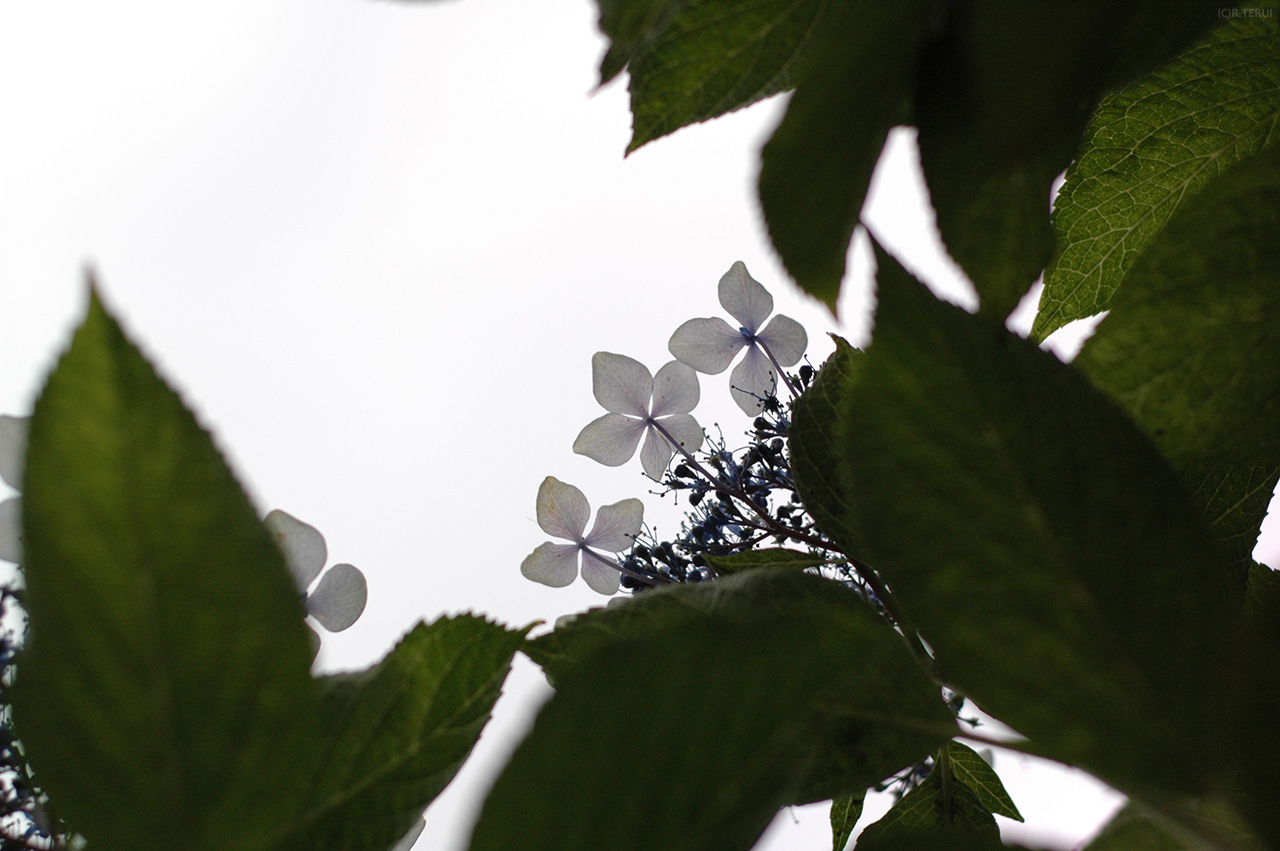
(630,25)
(1151,148)
(1131,830)
(1191,348)
(772,558)
(692,733)
(714,56)
(393,736)
(845,812)
(1176,825)
(815,170)
(1043,546)
(939,813)
(968,767)
(165,696)
(1003,95)
(815,446)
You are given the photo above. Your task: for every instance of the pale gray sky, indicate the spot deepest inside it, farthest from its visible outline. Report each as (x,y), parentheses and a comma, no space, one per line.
(376,245)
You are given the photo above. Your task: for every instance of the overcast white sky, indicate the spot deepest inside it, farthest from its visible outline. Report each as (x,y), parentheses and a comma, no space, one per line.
(375,245)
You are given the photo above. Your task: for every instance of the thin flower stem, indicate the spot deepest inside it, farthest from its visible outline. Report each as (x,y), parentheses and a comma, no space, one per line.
(626,571)
(782,373)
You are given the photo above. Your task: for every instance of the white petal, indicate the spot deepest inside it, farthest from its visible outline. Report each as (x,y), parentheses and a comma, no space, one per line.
(13,448)
(786,338)
(599,575)
(552,564)
(745,299)
(685,430)
(610,439)
(656,454)
(562,509)
(11,530)
(707,345)
(751,381)
(339,599)
(617,526)
(622,385)
(675,390)
(407,841)
(302,545)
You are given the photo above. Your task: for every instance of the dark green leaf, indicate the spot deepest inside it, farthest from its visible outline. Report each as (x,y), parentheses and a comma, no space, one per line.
(715,56)
(692,732)
(968,767)
(630,26)
(1043,546)
(1258,745)
(845,812)
(939,813)
(815,170)
(165,696)
(771,558)
(816,446)
(1191,348)
(1152,147)
(1003,95)
(393,736)
(1176,825)
(1131,830)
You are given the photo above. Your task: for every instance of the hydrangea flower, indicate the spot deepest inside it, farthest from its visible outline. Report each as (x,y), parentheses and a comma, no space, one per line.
(563,512)
(338,601)
(13,452)
(710,345)
(640,404)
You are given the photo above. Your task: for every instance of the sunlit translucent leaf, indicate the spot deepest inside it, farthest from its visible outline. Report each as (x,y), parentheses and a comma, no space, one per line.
(817,447)
(1043,546)
(886,716)
(1191,348)
(845,812)
(969,768)
(165,693)
(1003,94)
(1152,147)
(773,558)
(939,813)
(815,170)
(393,736)
(691,61)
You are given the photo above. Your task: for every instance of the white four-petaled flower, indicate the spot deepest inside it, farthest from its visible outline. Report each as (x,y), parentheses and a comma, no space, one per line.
(13,453)
(710,345)
(339,599)
(563,512)
(640,404)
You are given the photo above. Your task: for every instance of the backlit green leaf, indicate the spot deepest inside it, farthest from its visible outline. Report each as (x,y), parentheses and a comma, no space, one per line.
(1043,546)
(165,694)
(1003,95)
(845,812)
(816,446)
(1152,147)
(939,813)
(393,736)
(714,56)
(969,768)
(815,170)
(1191,348)
(772,682)
(775,558)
